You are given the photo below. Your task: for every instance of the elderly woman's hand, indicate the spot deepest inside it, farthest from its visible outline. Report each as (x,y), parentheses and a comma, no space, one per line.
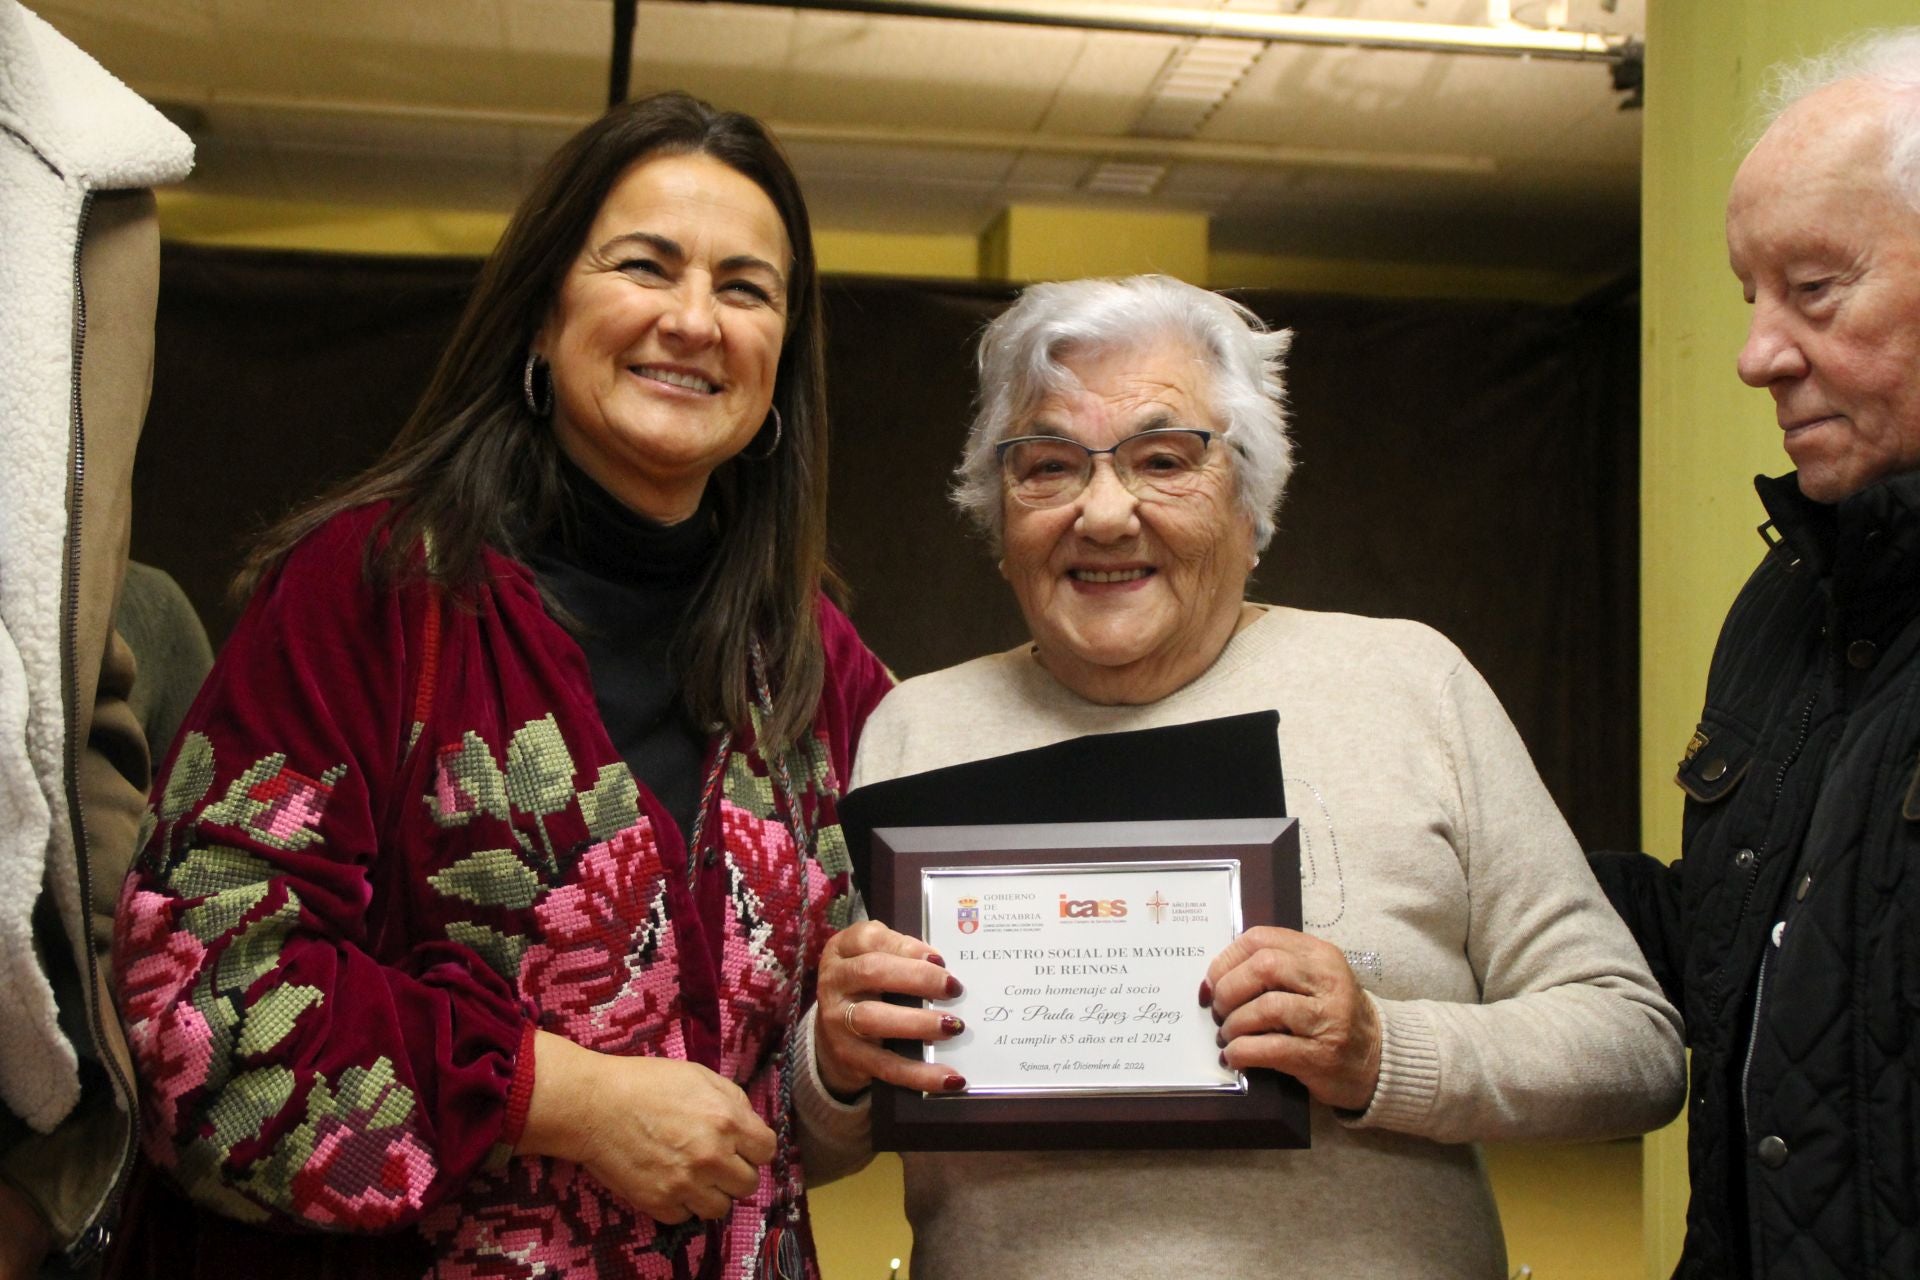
(671,1138)
(1290,1002)
(859,965)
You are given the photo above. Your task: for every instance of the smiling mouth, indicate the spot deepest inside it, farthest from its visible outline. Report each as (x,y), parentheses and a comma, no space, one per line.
(1109,575)
(677,378)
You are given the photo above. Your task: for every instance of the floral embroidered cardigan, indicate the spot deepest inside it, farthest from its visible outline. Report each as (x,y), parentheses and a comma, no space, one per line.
(392,841)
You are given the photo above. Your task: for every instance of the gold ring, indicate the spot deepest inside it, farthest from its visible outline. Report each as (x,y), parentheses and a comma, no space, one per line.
(846,1016)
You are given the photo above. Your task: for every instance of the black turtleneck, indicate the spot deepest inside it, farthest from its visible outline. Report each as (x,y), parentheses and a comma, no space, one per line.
(627,583)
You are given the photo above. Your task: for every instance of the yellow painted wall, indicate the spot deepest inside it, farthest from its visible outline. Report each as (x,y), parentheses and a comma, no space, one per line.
(1571,1211)
(873,253)
(1055,245)
(244,223)
(239,222)
(1703,434)
(859,1226)
(1049,242)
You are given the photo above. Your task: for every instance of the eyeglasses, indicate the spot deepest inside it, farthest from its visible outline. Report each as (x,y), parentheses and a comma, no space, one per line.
(1164,464)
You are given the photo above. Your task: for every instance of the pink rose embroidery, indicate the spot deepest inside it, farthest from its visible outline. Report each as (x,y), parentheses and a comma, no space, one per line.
(548,1218)
(294,804)
(448,798)
(364,1179)
(757,964)
(155,961)
(602,973)
(169,1038)
(174,1050)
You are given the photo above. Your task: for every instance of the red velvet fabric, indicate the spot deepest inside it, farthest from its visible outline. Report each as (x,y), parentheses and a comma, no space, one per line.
(393,839)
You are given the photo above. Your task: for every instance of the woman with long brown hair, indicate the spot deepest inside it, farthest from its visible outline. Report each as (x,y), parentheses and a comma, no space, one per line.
(493,865)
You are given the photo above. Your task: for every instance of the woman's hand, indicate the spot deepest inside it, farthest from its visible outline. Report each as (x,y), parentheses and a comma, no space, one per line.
(670,1138)
(1290,1002)
(860,964)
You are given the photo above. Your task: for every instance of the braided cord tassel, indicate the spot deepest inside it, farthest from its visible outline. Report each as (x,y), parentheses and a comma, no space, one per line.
(708,792)
(781,1255)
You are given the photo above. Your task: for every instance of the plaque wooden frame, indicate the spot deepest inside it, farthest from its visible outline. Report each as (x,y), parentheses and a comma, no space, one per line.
(1272,1112)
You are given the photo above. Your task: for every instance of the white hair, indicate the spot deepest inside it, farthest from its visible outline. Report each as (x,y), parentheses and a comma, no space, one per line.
(1887,58)
(1019,361)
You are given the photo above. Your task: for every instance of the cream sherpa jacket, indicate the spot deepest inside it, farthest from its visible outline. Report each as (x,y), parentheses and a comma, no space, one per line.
(72,130)
(69,134)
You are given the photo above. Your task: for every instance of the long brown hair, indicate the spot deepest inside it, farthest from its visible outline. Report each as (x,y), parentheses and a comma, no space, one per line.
(475,468)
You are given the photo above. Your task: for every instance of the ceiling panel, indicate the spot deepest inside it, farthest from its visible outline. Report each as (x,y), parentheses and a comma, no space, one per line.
(860,203)
(1207,186)
(447,52)
(913,124)
(350,174)
(919,166)
(924,71)
(1036,173)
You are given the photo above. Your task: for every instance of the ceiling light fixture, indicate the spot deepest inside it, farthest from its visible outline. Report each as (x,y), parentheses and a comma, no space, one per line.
(1118,178)
(1283,28)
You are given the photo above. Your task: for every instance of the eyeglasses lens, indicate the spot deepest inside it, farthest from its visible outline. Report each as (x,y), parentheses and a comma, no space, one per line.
(1045,471)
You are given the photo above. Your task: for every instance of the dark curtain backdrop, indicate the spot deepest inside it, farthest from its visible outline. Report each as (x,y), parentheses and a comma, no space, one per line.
(1472,465)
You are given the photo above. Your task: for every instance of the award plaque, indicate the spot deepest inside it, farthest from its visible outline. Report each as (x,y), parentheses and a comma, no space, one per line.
(1081,947)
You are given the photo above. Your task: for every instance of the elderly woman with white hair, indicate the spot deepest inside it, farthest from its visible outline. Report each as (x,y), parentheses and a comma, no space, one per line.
(1460,977)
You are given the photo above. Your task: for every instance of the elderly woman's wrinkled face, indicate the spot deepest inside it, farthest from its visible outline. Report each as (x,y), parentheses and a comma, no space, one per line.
(666,336)
(1127,598)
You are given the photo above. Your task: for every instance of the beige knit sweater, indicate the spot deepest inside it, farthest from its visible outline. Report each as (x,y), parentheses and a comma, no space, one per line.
(1514,1003)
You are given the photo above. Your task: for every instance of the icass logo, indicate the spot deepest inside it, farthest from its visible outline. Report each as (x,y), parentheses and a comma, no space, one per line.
(1092,908)
(969,913)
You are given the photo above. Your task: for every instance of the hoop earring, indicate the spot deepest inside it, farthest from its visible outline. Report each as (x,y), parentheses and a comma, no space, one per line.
(771,449)
(537,405)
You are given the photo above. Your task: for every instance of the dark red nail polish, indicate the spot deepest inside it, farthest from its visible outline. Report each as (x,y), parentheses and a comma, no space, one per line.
(1220,1038)
(952,1025)
(1206,992)
(954,1084)
(934,957)
(1223,1059)
(953,987)
(1218,1021)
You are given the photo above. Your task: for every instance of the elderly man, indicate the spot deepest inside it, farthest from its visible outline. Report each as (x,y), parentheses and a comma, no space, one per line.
(1790,930)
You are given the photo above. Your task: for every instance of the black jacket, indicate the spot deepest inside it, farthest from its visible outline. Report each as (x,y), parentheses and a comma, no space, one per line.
(1789,932)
